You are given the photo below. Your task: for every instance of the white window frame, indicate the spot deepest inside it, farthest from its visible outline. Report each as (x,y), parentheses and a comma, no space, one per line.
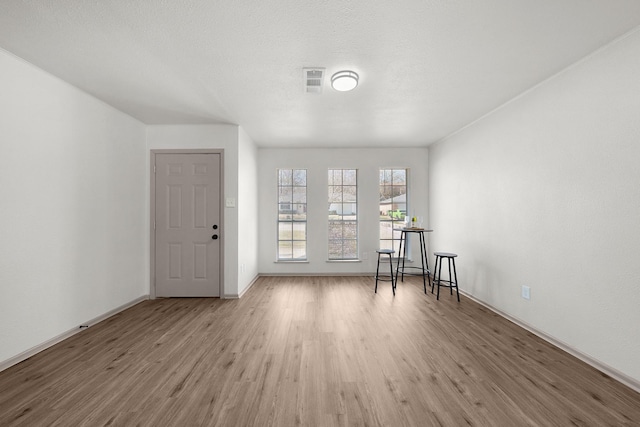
(341,205)
(394,224)
(289,196)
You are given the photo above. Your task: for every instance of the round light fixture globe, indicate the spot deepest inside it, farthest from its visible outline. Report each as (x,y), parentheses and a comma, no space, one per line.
(344,81)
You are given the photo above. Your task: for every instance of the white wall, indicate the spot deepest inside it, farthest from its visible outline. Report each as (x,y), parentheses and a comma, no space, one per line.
(72,220)
(317,162)
(545,192)
(229,138)
(247,211)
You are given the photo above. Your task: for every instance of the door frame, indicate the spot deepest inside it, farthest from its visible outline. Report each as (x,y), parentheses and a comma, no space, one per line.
(152,216)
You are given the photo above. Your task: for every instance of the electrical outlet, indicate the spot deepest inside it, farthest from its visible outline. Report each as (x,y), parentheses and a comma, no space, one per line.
(526,292)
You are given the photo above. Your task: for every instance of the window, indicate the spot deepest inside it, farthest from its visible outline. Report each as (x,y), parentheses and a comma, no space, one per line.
(393,206)
(292,214)
(343,214)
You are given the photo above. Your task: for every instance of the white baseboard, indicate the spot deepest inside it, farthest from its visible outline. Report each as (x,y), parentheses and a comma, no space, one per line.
(63,336)
(244,291)
(372,274)
(602,367)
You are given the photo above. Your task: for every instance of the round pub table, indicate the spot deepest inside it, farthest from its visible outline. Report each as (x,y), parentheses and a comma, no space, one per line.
(402,255)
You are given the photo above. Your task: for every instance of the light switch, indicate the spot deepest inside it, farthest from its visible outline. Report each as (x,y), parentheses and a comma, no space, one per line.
(230,202)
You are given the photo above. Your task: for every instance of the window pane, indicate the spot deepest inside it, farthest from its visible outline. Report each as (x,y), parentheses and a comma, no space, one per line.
(299,194)
(399,194)
(400,177)
(285,177)
(299,250)
(350,230)
(285,195)
(349,193)
(350,249)
(285,230)
(335,249)
(349,211)
(335,177)
(385,193)
(299,231)
(284,216)
(285,249)
(300,177)
(335,193)
(399,211)
(335,230)
(300,212)
(385,176)
(349,177)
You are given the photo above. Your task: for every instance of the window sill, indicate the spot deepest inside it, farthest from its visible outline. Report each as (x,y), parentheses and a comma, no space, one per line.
(343,260)
(293,261)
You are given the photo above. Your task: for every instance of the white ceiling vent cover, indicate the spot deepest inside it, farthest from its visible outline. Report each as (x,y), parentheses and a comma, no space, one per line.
(313,79)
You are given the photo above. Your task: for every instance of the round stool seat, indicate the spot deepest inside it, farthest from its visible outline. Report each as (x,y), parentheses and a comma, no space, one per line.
(445,254)
(385,251)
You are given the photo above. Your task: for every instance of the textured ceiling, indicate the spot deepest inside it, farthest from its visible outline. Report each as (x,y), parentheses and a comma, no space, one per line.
(427,67)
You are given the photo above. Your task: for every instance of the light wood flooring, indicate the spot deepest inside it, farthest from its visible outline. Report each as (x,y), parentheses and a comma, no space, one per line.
(311,351)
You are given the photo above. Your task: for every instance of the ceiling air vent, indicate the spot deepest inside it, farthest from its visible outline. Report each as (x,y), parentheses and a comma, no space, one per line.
(313,79)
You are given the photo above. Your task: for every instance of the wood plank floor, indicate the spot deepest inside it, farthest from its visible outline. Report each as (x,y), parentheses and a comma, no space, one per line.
(311,351)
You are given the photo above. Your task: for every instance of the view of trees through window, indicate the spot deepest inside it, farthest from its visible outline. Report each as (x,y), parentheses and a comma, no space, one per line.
(393,206)
(343,214)
(292,214)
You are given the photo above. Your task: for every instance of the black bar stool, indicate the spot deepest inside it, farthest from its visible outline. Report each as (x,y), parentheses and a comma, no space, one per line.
(385,278)
(453,280)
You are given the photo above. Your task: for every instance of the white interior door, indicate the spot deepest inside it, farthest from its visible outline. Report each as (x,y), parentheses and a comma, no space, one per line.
(187,225)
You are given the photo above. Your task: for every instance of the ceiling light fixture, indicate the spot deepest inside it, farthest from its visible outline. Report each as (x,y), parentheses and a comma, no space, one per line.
(344,81)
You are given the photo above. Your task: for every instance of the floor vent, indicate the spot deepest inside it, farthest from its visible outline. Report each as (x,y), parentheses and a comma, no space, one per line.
(313,79)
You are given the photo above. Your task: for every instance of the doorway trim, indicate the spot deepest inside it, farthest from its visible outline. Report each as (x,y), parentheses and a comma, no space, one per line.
(152,215)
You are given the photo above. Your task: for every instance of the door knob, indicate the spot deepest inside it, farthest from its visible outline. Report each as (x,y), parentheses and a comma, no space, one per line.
(215,227)
(214,237)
